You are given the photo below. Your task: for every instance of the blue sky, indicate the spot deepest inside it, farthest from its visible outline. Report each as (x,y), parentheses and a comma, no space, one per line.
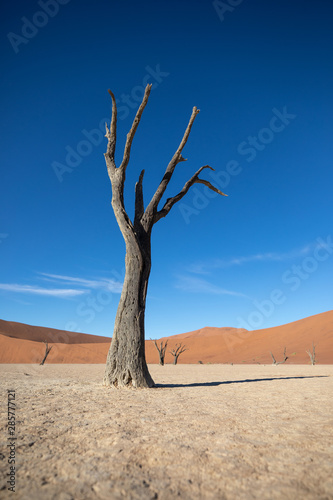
(261,74)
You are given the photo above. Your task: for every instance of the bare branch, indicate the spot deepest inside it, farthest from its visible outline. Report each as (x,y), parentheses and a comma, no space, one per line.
(113,127)
(208,184)
(274,360)
(139,204)
(285,357)
(117,176)
(171,201)
(177,158)
(134,127)
(111,135)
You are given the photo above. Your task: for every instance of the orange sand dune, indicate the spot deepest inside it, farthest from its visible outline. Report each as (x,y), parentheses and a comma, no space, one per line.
(230,345)
(20,343)
(40,333)
(26,351)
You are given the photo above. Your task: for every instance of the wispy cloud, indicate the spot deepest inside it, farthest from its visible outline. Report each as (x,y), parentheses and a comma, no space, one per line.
(102,283)
(65,286)
(36,290)
(208,266)
(197,285)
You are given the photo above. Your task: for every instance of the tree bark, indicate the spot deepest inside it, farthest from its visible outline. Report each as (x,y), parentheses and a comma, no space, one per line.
(126,362)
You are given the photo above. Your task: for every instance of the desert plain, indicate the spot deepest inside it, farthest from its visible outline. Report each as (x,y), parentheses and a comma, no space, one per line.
(207,431)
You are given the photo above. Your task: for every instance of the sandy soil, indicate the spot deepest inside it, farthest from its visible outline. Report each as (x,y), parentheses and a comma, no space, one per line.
(206,432)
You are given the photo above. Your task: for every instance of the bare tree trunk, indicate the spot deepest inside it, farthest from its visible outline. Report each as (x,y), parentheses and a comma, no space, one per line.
(47,351)
(312,354)
(177,351)
(126,362)
(161,351)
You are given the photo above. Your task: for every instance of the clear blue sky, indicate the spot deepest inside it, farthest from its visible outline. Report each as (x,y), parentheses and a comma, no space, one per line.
(261,74)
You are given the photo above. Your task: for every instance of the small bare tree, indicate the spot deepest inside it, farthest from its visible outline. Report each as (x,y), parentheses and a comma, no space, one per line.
(47,351)
(177,351)
(161,351)
(312,354)
(280,362)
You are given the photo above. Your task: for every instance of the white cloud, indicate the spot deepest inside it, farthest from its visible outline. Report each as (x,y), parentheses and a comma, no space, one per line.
(36,290)
(81,285)
(197,285)
(106,283)
(207,267)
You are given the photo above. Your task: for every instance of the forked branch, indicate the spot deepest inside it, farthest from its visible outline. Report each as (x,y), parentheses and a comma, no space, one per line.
(285,357)
(177,158)
(144,219)
(135,124)
(171,201)
(111,134)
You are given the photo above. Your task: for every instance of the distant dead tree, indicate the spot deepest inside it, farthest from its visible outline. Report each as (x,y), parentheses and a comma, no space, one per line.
(280,362)
(312,354)
(177,351)
(47,351)
(161,351)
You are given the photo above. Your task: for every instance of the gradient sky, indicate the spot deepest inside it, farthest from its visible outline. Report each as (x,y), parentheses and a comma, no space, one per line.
(261,74)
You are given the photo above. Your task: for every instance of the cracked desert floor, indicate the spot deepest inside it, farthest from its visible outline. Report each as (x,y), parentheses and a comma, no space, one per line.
(205,432)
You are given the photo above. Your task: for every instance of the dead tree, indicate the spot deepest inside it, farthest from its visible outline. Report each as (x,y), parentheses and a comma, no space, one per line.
(280,362)
(177,351)
(47,351)
(161,351)
(312,354)
(126,362)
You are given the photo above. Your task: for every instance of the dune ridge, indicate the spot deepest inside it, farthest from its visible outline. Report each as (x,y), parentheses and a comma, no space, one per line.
(21,343)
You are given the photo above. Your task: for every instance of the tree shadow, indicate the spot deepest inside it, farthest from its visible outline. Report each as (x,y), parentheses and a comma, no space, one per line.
(213,384)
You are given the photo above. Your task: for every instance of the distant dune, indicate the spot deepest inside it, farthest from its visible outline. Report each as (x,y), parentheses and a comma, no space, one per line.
(21,343)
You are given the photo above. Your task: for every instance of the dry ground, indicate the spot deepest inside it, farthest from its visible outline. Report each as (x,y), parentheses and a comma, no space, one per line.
(206,432)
